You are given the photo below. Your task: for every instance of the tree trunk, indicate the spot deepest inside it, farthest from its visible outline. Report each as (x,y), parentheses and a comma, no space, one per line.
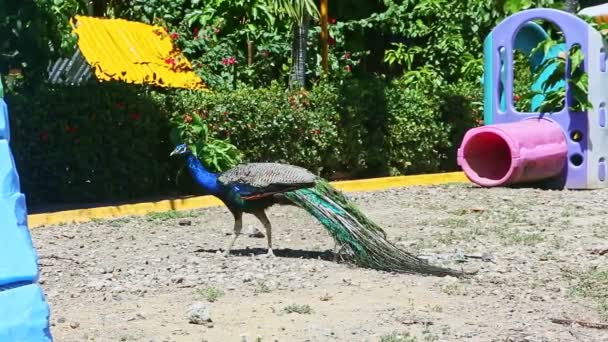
(298,53)
(572,6)
(250,51)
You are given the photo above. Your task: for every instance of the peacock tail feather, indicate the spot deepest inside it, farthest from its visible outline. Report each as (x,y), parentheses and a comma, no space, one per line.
(364,241)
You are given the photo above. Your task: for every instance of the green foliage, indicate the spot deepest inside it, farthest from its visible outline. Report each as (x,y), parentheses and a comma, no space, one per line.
(363,126)
(593,284)
(218,36)
(401,55)
(398,337)
(296,308)
(571,62)
(461,108)
(212,294)
(415,131)
(266,124)
(295,9)
(523,80)
(90,143)
(33,32)
(216,154)
(578,81)
(403,88)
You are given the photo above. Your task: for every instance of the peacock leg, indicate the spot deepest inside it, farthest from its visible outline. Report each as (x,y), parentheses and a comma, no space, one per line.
(261,215)
(337,250)
(238,225)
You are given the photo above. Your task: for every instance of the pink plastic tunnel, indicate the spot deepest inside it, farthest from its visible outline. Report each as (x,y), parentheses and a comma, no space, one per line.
(518,152)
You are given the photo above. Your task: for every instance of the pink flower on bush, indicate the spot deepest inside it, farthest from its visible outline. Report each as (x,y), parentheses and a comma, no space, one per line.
(216,30)
(188,118)
(44,136)
(331,41)
(195,32)
(332,21)
(229,61)
(135,116)
(316,131)
(347,55)
(348,68)
(70,129)
(170,61)
(174,35)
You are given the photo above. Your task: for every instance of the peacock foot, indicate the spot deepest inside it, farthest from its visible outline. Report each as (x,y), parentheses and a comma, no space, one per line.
(269,254)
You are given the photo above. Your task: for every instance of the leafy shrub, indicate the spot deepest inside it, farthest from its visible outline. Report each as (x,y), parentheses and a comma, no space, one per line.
(363,126)
(417,136)
(216,154)
(268,124)
(93,143)
(110,141)
(461,107)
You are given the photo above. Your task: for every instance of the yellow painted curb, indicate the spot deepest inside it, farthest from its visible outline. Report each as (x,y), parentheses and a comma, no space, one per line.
(83,215)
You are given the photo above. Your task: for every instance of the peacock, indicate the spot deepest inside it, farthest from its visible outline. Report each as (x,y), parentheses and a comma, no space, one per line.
(254,187)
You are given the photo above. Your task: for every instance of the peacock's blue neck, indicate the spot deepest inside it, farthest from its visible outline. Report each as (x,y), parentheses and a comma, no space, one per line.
(206,179)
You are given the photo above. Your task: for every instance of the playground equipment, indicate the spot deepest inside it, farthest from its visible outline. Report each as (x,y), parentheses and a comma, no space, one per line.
(514,147)
(24,314)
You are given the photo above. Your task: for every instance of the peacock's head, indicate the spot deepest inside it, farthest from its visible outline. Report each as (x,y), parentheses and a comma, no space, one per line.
(180,149)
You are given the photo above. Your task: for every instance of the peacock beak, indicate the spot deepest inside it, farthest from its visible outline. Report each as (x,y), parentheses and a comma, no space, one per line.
(174,152)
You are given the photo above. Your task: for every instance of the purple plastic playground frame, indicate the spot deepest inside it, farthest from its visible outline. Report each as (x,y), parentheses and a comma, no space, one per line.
(575,31)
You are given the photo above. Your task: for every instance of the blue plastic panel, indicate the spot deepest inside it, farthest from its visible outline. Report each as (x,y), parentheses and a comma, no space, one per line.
(17,256)
(9,180)
(24,315)
(4,123)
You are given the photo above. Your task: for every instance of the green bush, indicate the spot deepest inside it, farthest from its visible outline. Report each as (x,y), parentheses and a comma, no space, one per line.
(416,132)
(268,124)
(461,107)
(90,143)
(110,141)
(363,127)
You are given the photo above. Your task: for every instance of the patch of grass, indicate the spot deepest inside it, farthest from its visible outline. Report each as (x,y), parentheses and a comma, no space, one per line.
(300,309)
(459,212)
(398,337)
(448,238)
(593,284)
(557,242)
(567,213)
(436,308)
(454,222)
(600,231)
(326,297)
(167,215)
(117,223)
(454,289)
(211,293)
(516,237)
(428,335)
(262,287)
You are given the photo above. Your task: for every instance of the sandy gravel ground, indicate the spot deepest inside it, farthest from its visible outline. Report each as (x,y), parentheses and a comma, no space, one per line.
(540,255)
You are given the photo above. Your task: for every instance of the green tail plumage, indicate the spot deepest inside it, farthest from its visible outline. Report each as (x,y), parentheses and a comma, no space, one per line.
(365,241)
